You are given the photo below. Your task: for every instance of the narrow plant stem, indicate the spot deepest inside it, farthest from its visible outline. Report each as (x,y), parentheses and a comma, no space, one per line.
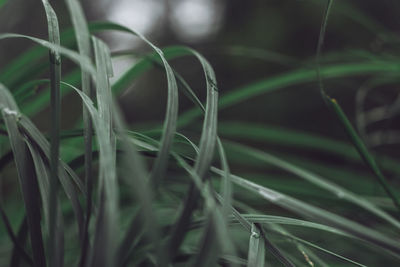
(320,44)
(88,159)
(337,110)
(56,237)
(83,41)
(55,104)
(363,151)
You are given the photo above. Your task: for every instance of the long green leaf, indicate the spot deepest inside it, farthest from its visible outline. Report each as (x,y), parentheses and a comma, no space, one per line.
(148,145)
(316,180)
(83,41)
(332,103)
(369,235)
(55,238)
(105,243)
(26,176)
(291,78)
(203,159)
(57,259)
(65,172)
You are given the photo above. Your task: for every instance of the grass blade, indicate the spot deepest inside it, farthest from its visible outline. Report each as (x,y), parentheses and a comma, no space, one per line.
(72,193)
(103,253)
(298,139)
(363,151)
(83,40)
(316,180)
(203,159)
(314,246)
(332,103)
(26,175)
(105,244)
(79,59)
(57,234)
(210,201)
(55,238)
(285,80)
(256,255)
(369,235)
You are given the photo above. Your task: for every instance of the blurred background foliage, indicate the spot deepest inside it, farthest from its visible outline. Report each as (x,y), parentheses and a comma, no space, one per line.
(245,41)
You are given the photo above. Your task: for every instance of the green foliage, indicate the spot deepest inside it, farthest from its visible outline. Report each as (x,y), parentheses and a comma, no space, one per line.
(162,200)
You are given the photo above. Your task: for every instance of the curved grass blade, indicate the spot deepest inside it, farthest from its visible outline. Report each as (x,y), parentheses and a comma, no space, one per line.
(139,185)
(314,246)
(203,159)
(79,59)
(105,244)
(363,151)
(291,78)
(148,145)
(37,137)
(171,113)
(31,105)
(267,243)
(332,103)
(273,219)
(171,116)
(152,60)
(316,180)
(302,75)
(26,175)
(294,138)
(308,255)
(320,44)
(82,36)
(369,235)
(226,188)
(104,252)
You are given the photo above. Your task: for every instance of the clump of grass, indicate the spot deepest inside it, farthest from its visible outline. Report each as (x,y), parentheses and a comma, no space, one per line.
(117,202)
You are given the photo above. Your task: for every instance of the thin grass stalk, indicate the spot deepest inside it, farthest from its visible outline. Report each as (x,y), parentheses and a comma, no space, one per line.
(337,110)
(104,247)
(316,247)
(53,242)
(83,40)
(321,39)
(363,151)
